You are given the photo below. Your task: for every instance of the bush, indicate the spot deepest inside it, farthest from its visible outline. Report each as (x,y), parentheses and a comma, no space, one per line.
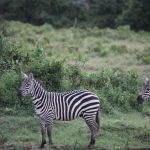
(51,73)
(119,49)
(10,56)
(144,55)
(101,50)
(9,84)
(117,86)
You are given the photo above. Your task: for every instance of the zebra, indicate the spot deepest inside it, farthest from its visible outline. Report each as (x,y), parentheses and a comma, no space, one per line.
(63,106)
(145,93)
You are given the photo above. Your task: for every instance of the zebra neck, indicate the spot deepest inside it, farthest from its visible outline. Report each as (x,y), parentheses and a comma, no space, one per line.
(38,93)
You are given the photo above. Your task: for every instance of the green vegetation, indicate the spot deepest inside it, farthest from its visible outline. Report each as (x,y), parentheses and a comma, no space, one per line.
(119,131)
(105,61)
(65,13)
(144,55)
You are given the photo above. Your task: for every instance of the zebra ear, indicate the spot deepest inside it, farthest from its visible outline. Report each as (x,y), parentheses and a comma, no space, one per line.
(31,75)
(146,79)
(24,75)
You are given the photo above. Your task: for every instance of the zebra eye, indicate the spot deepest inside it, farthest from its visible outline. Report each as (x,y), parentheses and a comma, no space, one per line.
(148,89)
(28,84)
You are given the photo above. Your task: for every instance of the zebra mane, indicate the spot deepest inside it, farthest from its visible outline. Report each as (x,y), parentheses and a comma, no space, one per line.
(40,82)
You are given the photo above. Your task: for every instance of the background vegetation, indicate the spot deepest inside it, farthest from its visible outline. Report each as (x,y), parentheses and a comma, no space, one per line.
(66,13)
(67,49)
(109,62)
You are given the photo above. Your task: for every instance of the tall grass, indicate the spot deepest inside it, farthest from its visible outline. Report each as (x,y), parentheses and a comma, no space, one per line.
(92,44)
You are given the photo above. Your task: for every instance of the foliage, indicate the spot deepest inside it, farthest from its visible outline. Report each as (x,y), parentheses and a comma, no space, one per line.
(10,57)
(9,84)
(138,20)
(106,12)
(144,55)
(64,13)
(120,49)
(101,50)
(58,13)
(116,88)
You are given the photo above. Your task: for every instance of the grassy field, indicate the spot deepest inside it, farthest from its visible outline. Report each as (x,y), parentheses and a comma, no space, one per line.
(119,131)
(120,48)
(92,49)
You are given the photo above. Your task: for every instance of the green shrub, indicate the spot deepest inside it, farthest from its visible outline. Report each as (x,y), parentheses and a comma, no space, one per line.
(124,28)
(98,48)
(119,49)
(117,86)
(75,76)
(9,84)
(144,55)
(117,89)
(51,73)
(10,56)
(101,50)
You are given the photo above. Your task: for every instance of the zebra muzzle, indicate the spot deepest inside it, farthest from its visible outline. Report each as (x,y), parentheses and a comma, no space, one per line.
(19,94)
(140,99)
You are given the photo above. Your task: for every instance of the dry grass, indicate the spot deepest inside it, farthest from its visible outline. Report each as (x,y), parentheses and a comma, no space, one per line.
(78,45)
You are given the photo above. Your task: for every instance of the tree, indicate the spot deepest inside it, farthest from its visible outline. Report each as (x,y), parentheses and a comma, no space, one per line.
(105,12)
(137,15)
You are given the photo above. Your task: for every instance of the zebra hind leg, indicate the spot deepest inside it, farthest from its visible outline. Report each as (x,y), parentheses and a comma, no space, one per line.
(93,128)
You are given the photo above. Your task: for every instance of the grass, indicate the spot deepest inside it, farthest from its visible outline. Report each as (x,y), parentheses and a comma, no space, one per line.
(118,131)
(94,47)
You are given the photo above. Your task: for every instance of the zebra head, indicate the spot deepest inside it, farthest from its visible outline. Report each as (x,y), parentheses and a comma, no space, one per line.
(145,94)
(27,85)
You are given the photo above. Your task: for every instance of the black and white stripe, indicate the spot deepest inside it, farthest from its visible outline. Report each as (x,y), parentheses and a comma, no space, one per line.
(145,93)
(64,106)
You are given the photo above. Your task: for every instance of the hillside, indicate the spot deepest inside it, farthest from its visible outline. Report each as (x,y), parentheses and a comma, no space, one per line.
(95,48)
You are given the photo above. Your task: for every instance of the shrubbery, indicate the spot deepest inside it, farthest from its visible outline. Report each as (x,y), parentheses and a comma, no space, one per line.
(144,55)
(64,13)
(117,89)
(120,49)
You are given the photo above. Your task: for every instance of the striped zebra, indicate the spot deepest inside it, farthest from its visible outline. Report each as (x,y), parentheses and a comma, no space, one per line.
(64,106)
(145,93)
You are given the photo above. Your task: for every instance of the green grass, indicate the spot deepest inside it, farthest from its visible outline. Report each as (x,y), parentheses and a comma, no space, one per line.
(118,131)
(95,47)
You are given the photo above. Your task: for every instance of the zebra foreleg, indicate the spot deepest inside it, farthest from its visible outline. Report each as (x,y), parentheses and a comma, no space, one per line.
(49,132)
(43,131)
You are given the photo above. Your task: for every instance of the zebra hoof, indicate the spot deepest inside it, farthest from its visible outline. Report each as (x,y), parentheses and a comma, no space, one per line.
(89,146)
(42,145)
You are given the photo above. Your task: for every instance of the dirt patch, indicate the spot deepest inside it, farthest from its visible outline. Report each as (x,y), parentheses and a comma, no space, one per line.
(9,147)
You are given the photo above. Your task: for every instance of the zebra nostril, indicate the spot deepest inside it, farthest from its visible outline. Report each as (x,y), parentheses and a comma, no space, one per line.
(140,99)
(140,96)
(19,94)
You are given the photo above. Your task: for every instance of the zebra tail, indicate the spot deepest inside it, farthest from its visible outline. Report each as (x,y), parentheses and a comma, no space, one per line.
(98,120)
